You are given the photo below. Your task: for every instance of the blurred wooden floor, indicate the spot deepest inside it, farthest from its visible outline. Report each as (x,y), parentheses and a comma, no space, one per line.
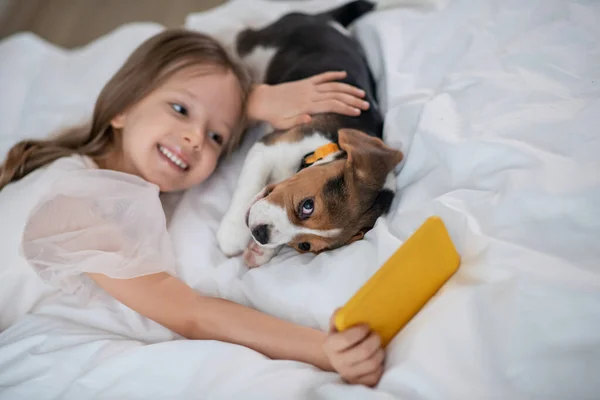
(73,23)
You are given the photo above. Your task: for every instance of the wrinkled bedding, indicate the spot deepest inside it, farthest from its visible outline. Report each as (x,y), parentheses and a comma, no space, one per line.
(496,106)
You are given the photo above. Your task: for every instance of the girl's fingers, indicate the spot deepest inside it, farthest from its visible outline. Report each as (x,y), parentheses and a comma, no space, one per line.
(366,350)
(339,342)
(368,366)
(334,106)
(370,379)
(328,76)
(341,88)
(346,99)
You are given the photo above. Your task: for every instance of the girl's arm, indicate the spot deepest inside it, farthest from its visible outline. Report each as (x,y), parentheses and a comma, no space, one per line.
(356,353)
(175,305)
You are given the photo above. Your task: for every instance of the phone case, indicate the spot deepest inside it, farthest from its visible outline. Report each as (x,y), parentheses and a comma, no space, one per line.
(402,286)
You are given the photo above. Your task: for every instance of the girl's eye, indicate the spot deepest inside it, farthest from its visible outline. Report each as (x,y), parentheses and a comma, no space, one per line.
(216,137)
(307,206)
(178,108)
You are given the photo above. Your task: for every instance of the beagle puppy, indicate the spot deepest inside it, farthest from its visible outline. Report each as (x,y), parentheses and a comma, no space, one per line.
(318,186)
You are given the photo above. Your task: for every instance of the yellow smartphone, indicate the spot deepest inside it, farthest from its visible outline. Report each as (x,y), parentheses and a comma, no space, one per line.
(405,282)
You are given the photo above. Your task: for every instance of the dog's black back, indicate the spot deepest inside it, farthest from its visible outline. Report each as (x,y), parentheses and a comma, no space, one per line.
(308,45)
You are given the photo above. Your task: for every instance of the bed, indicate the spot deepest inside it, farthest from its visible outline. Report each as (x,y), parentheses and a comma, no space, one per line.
(496,105)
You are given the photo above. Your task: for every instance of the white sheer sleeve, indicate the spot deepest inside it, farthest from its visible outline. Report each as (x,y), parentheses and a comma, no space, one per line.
(98,221)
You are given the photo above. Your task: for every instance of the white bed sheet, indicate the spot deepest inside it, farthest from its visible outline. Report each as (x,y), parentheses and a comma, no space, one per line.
(496,105)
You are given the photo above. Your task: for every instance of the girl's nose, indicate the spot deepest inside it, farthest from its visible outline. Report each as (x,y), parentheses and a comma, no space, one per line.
(194,138)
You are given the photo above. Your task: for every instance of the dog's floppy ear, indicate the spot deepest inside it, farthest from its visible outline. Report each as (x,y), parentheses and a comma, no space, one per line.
(368,163)
(369,159)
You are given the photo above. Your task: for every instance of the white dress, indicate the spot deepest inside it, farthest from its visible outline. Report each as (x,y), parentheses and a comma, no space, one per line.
(71,218)
(100,221)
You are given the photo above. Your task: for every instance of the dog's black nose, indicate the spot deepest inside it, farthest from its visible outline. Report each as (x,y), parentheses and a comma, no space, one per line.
(261,233)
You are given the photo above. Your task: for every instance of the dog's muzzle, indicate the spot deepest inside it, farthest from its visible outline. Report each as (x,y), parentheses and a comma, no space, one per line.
(268,223)
(258,219)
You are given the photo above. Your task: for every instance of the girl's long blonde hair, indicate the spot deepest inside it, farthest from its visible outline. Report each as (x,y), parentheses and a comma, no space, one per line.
(147,67)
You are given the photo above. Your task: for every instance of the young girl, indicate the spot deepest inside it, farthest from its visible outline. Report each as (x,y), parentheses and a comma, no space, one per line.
(161,124)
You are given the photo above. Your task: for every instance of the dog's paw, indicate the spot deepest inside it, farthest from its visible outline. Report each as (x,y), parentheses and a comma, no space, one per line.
(255,256)
(233,237)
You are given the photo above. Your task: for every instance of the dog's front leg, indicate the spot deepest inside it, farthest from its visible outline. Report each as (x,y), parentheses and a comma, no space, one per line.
(233,235)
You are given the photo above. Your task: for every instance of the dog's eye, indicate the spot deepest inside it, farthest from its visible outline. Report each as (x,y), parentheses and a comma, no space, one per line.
(307,206)
(304,246)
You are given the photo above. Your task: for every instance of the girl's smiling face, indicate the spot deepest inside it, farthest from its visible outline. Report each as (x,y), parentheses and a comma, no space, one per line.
(175,135)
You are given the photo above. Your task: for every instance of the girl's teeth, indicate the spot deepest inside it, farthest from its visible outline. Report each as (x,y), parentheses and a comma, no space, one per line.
(172,157)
